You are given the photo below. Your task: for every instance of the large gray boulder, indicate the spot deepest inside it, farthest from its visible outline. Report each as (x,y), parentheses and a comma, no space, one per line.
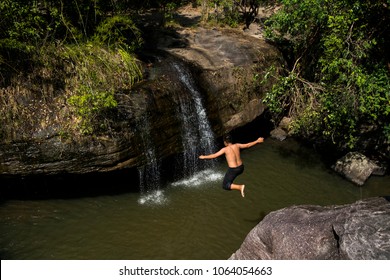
(357,168)
(358,231)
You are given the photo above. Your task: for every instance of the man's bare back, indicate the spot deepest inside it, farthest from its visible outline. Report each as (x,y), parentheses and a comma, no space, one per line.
(233,155)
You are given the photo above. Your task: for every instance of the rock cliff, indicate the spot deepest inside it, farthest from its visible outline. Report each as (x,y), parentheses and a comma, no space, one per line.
(223,63)
(359,231)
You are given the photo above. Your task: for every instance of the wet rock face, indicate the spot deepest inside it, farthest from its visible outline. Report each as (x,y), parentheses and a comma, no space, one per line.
(359,231)
(230,61)
(123,147)
(55,156)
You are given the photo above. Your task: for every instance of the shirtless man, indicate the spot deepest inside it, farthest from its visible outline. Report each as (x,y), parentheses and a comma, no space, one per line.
(233,158)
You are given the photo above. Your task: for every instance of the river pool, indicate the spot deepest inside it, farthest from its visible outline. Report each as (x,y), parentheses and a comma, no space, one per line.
(192,218)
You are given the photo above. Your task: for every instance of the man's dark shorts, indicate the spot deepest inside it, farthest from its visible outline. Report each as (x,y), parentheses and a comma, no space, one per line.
(230,175)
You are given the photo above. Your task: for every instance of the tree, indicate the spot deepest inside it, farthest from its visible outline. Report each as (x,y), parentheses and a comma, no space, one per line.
(249,10)
(81,47)
(338,82)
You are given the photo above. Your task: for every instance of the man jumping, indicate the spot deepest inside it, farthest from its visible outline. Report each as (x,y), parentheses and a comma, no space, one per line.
(233,159)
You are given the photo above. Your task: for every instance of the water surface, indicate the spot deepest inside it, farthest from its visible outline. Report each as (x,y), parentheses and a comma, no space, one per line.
(192,218)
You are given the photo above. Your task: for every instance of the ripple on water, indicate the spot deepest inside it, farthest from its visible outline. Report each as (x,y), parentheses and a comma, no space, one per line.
(200,178)
(153,198)
(157,198)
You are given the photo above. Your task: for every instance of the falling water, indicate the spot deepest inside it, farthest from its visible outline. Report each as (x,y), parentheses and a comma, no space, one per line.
(149,174)
(197,136)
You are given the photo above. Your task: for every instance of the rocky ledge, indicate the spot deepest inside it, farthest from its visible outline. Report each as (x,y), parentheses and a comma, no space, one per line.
(358,231)
(222,63)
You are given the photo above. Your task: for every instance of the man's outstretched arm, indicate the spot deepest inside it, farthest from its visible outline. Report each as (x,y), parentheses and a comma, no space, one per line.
(215,155)
(251,144)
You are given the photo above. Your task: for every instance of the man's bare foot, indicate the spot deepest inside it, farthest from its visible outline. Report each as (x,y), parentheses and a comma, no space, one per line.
(242,191)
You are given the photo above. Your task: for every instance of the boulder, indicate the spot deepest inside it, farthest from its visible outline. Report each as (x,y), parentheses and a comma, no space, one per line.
(283,130)
(357,231)
(357,168)
(285,124)
(279,134)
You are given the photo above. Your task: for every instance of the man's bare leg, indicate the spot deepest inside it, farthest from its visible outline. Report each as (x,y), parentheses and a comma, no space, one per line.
(239,188)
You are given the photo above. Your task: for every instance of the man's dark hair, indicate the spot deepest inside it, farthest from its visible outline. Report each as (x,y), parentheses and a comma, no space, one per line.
(227,138)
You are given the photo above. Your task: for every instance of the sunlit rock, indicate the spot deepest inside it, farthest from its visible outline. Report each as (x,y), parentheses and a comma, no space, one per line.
(358,231)
(222,63)
(357,167)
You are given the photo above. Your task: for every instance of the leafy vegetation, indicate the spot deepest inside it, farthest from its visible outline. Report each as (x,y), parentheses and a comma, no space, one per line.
(338,85)
(99,73)
(231,12)
(83,49)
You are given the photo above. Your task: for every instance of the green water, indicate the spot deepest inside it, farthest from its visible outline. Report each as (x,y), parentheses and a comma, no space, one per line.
(189,219)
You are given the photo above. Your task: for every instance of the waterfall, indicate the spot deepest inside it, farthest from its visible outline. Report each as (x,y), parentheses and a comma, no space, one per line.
(149,174)
(197,136)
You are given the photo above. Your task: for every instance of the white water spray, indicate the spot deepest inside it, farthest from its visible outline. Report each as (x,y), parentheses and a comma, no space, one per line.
(149,174)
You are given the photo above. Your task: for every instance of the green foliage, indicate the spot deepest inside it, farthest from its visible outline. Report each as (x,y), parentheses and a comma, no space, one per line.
(231,17)
(29,26)
(118,31)
(278,98)
(133,72)
(24,27)
(89,105)
(386,131)
(227,13)
(337,49)
(169,10)
(230,12)
(99,74)
(82,48)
